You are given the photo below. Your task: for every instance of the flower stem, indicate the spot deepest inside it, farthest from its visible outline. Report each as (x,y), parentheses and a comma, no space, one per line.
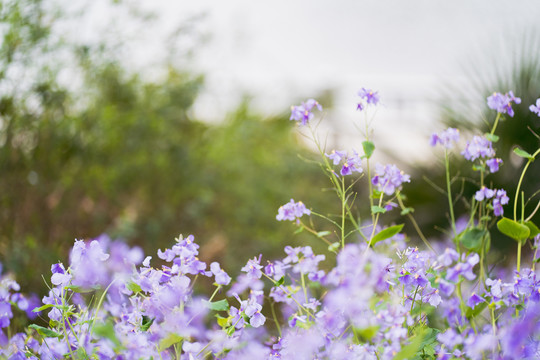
(449,192)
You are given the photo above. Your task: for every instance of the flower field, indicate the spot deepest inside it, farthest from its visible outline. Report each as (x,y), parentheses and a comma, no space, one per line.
(371,295)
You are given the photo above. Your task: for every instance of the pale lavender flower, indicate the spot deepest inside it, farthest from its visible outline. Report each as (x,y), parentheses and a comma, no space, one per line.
(500,199)
(292,211)
(303,112)
(253,268)
(484,193)
(493,164)
(478,147)
(535,108)
(389,178)
(367,97)
(503,103)
(446,138)
(474,300)
(222,278)
(336,156)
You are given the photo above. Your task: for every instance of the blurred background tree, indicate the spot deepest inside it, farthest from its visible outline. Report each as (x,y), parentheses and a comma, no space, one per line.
(108,151)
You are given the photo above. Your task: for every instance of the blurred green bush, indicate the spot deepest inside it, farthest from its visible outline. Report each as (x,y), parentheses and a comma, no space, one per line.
(120,155)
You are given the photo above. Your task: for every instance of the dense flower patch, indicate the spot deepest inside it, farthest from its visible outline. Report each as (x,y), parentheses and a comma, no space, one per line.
(382,299)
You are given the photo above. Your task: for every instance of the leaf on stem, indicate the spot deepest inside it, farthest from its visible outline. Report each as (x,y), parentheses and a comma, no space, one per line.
(386,233)
(513,229)
(369,147)
(522,153)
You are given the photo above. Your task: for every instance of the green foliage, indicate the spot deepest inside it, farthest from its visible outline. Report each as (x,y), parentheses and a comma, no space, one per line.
(122,155)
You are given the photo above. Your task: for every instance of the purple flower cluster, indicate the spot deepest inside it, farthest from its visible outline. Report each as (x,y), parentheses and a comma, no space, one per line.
(389,178)
(292,211)
(367,97)
(478,147)
(499,199)
(503,102)
(352,163)
(304,111)
(446,138)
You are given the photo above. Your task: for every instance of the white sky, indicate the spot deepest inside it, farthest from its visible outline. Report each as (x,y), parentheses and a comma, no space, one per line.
(284,51)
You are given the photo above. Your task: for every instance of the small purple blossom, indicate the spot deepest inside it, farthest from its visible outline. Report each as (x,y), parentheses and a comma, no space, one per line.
(389,178)
(292,211)
(503,102)
(303,112)
(475,300)
(535,108)
(484,193)
(478,147)
(336,156)
(446,138)
(253,268)
(494,164)
(369,97)
(222,278)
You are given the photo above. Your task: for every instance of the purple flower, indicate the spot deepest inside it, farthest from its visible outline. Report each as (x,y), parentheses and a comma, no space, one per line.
(535,108)
(478,147)
(303,112)
(221,276)
(389,178)
(292,211)
(500,199)
(353,164)
(475,300)
(253,268)
(484,193)
(503,103)
(336,156)
(494,164)
(367,96)
(446,138)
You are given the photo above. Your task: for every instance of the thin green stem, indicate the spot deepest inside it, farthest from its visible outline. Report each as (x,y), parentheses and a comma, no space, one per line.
(495,123)
(449,192)
(521,180)
(343,201)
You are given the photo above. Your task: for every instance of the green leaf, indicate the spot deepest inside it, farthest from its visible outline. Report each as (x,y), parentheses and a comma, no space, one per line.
(533,228)
(471,239)
(299,230)
(522,153)
(44,331)
(223,322)
(472,313)
(41,308)
(134,287)
(81,290)
(491,137)
(323,233)
(513,229)
(386,233)
(369,147)
(221,305)
(146,323)
(478,167)
(408,351)
(377,209)
(106,330)
(169,341)
(366,334)
(334,247)
(407,210)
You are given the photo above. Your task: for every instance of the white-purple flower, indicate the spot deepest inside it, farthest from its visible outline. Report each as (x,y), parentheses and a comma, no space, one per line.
(388,178)
(478,147)
(304,111)
(446,138)
(535,108)
(292,211)
(503,102)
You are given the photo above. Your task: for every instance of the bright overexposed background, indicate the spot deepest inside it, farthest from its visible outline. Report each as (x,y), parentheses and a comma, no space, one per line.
(288,50)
